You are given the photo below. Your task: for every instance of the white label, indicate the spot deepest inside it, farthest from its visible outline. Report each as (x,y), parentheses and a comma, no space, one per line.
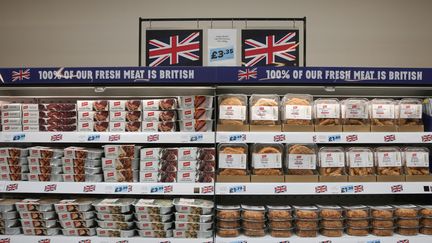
(297,112)
(232,161)
(356,111)
(332,159)
(265,113)
(417,159)
(328,111)
(117,105)
(302,161)
(108,201)
(360,159)
(151,105)
(389,159)
(383,111)
(266,161)
(236,112)
(411,111)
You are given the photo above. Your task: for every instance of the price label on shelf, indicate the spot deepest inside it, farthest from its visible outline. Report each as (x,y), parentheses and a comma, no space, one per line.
(223,53)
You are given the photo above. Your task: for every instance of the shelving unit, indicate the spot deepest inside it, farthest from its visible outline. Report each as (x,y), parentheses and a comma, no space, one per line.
(68,239)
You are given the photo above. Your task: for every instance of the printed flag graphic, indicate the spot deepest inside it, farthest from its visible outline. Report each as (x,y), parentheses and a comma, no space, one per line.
(174,48)
(247,74)
(20,75)
(270,47)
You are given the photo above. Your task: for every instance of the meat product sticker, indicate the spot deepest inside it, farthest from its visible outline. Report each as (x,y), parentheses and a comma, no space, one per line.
(417,159)
(356,111)
(360,159)
(266,161)
(302,161)
(265,113)
(411,111)
(228,112)
(222,47)
(303,112)
(389,159)
(385,111)
(234,161)
(332,159)
(328,111)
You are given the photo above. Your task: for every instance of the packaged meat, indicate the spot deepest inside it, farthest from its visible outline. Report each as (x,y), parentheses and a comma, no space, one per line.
(76,215)
(81,170)
(150,154)
(11,107)
(187,176)
(39,223)
(278,233)
(279,212)
(267,159)
(229,212)
(187,153)
(207,154)
(125,105)
(253,224)
(155,233)
(120,151)
(14,177)
(38,215)
(154,225)
(164,176)
(144,217)
(74,205)
(306,224)
(327,112)
(416,160)
(51,121)
(41,231)
(12,152)
(11,121)
(57,128)
(410,112)
(7,205)
(33,114)
(30,107)
(193,206)
(14,169)
(408,222)
(232,159)
(331,161)
(280,224)
(153,206)
(119,225)
(120,163)
(332,232)
(44,177)
(355,112)
(159,127)
(357,231)
(331,211)
(10,231)
(382,212)
(57,106)
(264,109)
(120,175)
(383,112)
(232,109)
(93,126)
(114,205)
(389,161)
(228,232)
(306,212)
(254,232)
(125,126)
(157,116)
(45,152)
(184,217)
(193,226)
(9,223)
(360,161)
(12,215)
(187,166)
(57,114)
(196,125)
(357,211)
(426,230)
(115,217)
(407,231)
(228,223)
(253,212)
(79,232)
(151,176)
(12,128)
(297,109)
(406,211)
(205,177)
(38,205)
(114,233)
(160,104)
(198,101)
(426,210)
(80,162)
(45,169)
(82,178)
(383,231)
(93,116)
(149,166)
(205,166)
(195,114)
(93,105)
(82,153)
(192,234)
(301,159)
(11,114)
(125,116)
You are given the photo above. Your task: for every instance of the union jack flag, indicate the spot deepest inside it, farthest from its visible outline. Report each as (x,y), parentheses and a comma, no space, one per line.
(168,189)
(84,241)
(44,241)
(115,137)
(358,188)
(56,137)
(11,187)
(351,138)
(247,74)
(174,48)
(207,189)
(389,138)
(426,138)
(280,189)
(20,75)
(89,188)
(403,241)
(321,189)
(122,241)
(397,188)
(270,47)
(50,188)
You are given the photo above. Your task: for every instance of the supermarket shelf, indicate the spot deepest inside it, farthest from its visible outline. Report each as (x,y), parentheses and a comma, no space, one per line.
(323,137)
(345,188)
(107,188)
(107,137)
(323,239)
(94,239)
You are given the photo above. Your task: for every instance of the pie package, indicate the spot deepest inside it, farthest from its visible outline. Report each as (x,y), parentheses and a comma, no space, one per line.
(232,109)
(300,159)
(416,160)
(327,112)
(267,159)
(297,109)
(233,159)
(410,112)
(360,161)
(355,111)
(331,161)
(383,112)
(388,161)
(264,109)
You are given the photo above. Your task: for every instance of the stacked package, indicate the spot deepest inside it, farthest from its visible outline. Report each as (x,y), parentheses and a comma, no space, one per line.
(115,217)
(193,218)
(38,216)
(9,222)
(426,220)
(228,220)
(407,219)
(332,220)
(125,115)
(45,164)
(11,117)
(76,217)
(120,163)
(154,218)
(93,115)
(49,117)
(306,220)
(280,221)
(195,113)
(82,164)
(159,115)
(357,220)
(13,164)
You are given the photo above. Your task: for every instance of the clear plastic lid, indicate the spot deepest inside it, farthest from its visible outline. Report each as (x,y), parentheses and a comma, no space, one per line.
(410,112)
(416,160)
(355,111)
(357,211)
(267,158)
(233,109)
(327,112)
(382,212)
(300,159)
(296,109)
(331,211)
(389,160)
(360,161)
(306,212)
(406,210)
(331,161)
(383,112)
(264,109)
(233,156)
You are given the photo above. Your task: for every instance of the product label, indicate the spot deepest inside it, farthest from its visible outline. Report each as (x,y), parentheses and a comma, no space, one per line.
(302,161)
(389,159)
(297,112)
(266,161)
(265,113)
(411,111)
(228,112)
(383,111)
(328,111)
(332,159)
(417,159)
(232,161)
(356,111)
(151,116)
(151,105)
(360,159)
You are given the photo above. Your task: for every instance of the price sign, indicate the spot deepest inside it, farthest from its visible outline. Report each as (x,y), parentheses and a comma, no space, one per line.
(223,53)
(222,47)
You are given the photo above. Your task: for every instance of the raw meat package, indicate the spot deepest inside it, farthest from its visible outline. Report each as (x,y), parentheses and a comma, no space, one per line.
(297,109)
(267,159)
(331,161)
(125,105)
(360,161)
(125,116)
(57,128)
(233,159)
(383,112)
(74,205)
(196,125)
(57,107)
(156,116)
(195,114)
(120,175)
(388,161)
(125,126)
(301,159)
(159,104)
(153,206)
(264,109)
(120,163)
(82,153)
(198,101)
(40,205)
(45,152)
(82,178)
(159,127)
(120,151)
(355,111)
(13,152)
(92,105)
(93,116)
(410,112)
(327,112)
(193,206)
(114,205)
(233,109)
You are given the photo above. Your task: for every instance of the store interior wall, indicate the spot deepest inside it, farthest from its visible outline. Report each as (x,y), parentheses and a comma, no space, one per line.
(385,33)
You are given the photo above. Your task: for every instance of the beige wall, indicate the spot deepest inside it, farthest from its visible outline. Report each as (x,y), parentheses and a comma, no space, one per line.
(105,32)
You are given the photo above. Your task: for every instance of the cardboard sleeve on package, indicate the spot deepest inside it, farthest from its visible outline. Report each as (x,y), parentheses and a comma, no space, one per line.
(418,178)
(333,128)
(411,128)
(297,128)
(356,128)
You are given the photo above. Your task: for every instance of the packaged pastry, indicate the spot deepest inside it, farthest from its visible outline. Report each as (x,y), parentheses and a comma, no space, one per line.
(198,101)
(45,152)
(306,232)
(279,212)
(13,161)
(193,206)
(74,205)
(426,210)
(360,161)
(306,223)
(76,224)
(358,222)
(232,109)
(280,224)
(389,161)
(184,217)
(232,159)
(34,161)
(228,212)
(264,109)
(114,233)
(115,225)
(253,224)
(301,159)
(327,112)
(228,232)
(120,163)
(426,230)
(407,231)
(410,112)
(195,114)
(13,152)
(119,151)
(114,205)
(383,112)
(115,217)
(153,217)
(332,232)
(331,161)
(355,111)
(358,231)
(196,125)
(382,212)
(37,205)
(281,233)
(331,212)
(416,160)
(228,223)
(155,233)
(256,213)
(157,116)
(193,226)
(82,178)
(383,222)
(76,215)
(306,212)
(408,222)
(41,231)
(79,232)
(192,234)
(406,211)
(159,104)
(297,109)
(38,223)
(153,206)
(159,127)
(38,215)
(383,231)
(267,159)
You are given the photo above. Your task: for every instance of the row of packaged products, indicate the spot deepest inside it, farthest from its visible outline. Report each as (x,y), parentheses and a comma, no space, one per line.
(328,220)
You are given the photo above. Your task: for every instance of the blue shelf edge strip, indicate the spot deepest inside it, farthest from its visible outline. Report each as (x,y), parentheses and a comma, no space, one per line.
(214,75)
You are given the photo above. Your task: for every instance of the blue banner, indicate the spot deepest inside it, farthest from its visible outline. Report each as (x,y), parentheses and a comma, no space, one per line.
(214,75)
